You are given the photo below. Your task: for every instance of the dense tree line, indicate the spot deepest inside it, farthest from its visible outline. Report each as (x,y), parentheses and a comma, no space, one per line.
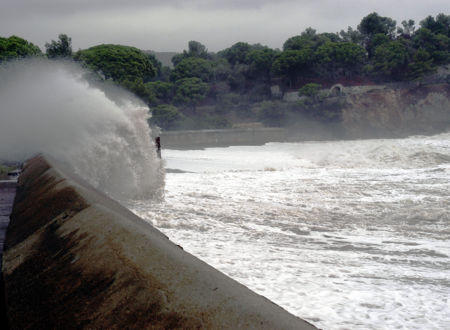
(207,89)
(15,47)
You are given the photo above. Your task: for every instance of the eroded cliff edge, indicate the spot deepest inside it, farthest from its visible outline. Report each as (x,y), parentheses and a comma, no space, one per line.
(396,110)
(76,259)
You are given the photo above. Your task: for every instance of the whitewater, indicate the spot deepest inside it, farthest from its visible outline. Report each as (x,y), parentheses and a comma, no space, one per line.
(59,108)
(345,234)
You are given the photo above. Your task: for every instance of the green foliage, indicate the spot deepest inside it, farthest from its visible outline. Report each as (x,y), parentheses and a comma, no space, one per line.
(15,47)
(333,37)
(139,89)
(340,58)
(5,169)
(247,64)
(157,65)
(260,62)
(353,36)
(237,54)
(310,90)
(271,113)
(117,62)
(373,24)
(165,73)
(177,59)
(440,25)
(192,67)
(309,39)
(291,63)
(376,40)
(236,82)
(437,45)
(322,54)
(221,69)
(320,109)
(127,66)
(297,43)
(162,91)
(195,49)
(60,48)
(166,116)
(190,91)
(392,59)
(421,64)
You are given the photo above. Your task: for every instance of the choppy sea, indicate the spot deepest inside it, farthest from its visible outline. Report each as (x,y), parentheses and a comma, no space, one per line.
(345,234)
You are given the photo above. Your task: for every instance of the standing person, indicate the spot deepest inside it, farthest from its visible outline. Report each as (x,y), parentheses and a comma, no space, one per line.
(158,146)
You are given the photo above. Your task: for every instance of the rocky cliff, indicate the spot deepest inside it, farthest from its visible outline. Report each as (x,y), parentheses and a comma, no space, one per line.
(396,110)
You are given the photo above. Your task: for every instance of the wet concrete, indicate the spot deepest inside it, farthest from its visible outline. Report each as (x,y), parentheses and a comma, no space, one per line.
(75,259)
(7,193)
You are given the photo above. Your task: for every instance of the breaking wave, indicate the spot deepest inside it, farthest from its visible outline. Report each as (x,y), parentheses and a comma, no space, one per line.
(100,130)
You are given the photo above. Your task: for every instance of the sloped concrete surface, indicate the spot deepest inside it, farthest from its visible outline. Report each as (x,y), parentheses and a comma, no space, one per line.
(7,193)
(76,259)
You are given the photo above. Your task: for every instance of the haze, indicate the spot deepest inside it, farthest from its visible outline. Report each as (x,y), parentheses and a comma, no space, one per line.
(169,25)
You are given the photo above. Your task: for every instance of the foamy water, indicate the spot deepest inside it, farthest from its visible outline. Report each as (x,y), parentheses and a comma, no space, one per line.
(347,234)
(98,129)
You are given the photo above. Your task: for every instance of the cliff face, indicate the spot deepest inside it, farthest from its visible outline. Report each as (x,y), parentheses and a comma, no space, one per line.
(397,111)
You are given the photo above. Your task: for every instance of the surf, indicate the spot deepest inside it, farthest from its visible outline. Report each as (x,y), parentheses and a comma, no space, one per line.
(98,129)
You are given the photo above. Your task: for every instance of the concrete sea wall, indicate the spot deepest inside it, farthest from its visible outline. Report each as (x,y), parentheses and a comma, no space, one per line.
(222,137)
(74,258)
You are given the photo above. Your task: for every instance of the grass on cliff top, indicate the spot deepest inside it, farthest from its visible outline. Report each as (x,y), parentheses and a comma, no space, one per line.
(4,171)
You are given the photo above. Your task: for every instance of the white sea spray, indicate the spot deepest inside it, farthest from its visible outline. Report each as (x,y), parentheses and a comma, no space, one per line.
(101,131)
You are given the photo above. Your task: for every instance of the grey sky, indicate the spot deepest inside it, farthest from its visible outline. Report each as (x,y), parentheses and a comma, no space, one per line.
(168,25)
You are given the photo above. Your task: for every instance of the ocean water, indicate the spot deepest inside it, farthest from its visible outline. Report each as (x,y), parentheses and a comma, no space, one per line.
(345,234)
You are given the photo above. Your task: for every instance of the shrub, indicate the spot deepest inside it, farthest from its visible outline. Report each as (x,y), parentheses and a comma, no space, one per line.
(166,116)
(271,113)
(310,90)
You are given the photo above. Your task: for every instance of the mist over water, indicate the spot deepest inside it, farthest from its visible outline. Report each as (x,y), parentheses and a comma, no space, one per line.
(101,131)
(346,234)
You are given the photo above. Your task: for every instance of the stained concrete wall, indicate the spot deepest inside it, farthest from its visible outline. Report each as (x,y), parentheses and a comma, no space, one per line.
(222,137)
(76,259)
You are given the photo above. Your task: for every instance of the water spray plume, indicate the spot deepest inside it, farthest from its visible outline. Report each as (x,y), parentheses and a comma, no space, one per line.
(100,130)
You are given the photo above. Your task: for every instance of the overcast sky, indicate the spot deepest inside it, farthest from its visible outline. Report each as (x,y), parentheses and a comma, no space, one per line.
(168,25)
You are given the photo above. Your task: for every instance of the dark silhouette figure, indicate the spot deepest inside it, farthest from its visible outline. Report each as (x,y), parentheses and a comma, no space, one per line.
(158,146)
